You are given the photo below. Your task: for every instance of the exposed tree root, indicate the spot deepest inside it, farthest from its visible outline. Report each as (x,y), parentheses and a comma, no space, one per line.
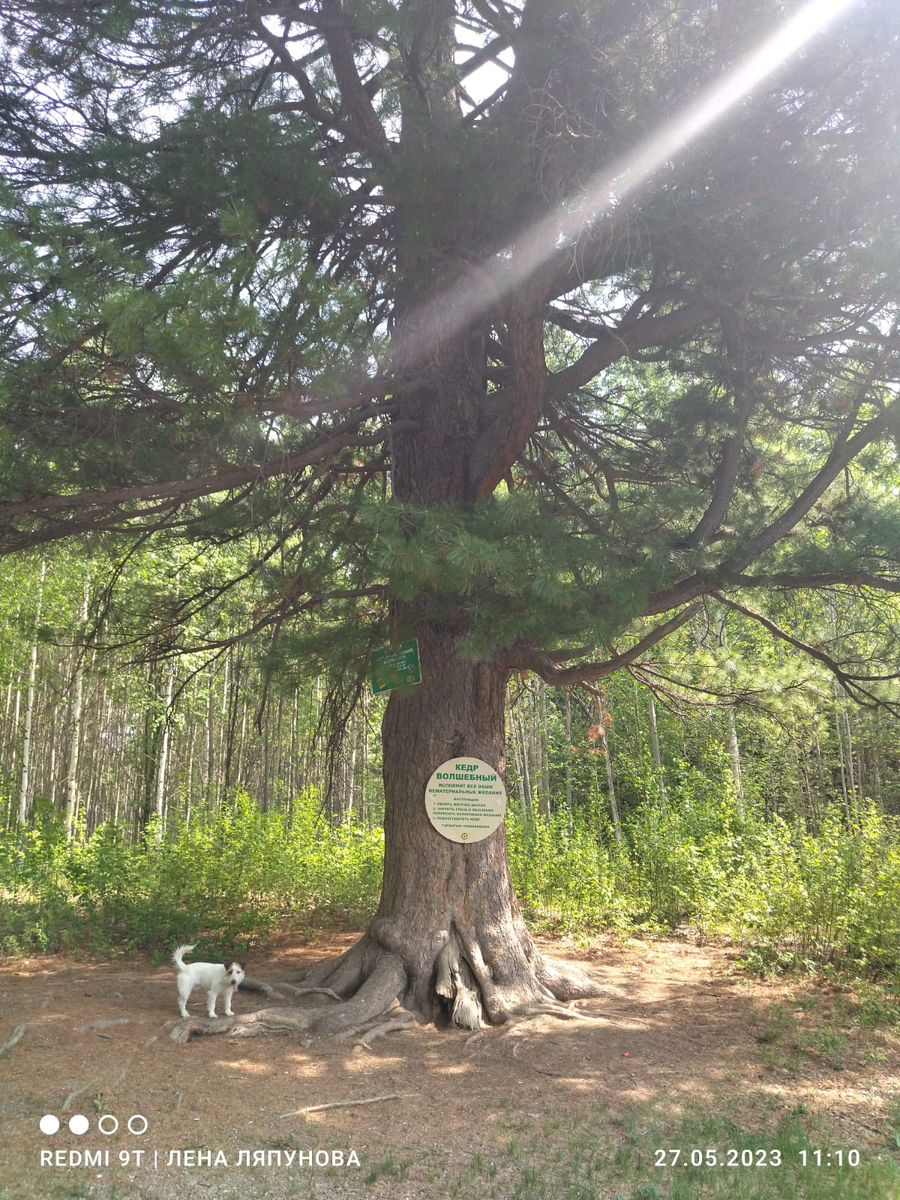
(277,992)
(257,985)
(308,991)
(17,1034)
(565,1013)
(493,978)
(566,982)
(342,975)
(382,1028)
(457,983)
(373,998)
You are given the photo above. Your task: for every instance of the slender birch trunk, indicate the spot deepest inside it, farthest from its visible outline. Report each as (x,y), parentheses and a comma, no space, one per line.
(76,712)
(734,746)
(159,807)
(25,768)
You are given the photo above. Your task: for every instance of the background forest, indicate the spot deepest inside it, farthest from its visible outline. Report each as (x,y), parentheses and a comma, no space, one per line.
(514,328)
(743,793)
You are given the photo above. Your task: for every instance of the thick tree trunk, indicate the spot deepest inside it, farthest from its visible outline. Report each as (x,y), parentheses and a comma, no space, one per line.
(448,941)
(442,900)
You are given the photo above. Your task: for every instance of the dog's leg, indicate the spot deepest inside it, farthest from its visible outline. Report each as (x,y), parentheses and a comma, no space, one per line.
(184,990)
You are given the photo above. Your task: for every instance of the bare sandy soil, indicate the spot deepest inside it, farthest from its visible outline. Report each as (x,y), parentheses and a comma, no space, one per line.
(684,1028)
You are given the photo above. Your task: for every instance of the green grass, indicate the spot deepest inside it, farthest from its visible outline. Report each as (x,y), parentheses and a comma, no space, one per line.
(107,894)
(838,1030)
(388,1168)
(599,1157)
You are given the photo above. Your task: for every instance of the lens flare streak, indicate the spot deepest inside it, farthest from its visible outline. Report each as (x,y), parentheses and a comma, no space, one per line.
(478,288)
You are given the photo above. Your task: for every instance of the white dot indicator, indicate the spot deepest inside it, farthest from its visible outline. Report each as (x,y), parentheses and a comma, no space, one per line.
(79,1124)
(49,1124)
(135,1127)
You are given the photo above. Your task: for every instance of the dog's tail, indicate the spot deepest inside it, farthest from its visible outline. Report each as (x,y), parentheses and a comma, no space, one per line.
(178,956)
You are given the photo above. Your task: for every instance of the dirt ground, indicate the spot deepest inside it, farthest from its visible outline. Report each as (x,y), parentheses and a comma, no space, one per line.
(684,1026)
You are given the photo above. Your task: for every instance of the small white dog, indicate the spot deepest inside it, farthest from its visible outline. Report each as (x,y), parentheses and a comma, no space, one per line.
(215,979)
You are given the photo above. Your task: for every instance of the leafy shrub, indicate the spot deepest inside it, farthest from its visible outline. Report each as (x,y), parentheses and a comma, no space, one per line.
(793,896)
(225,879)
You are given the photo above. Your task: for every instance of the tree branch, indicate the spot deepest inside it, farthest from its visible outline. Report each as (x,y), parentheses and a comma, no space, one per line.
(543,664)
(516,419)
(183,490)
(821,579)
(312,106)
(353,93)
(850,681)
(842,453)
(493,454)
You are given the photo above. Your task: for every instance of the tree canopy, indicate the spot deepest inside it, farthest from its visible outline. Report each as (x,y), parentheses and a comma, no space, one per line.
(241,239)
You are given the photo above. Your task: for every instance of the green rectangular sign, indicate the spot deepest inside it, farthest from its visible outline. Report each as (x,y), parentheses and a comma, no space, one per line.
(394,667)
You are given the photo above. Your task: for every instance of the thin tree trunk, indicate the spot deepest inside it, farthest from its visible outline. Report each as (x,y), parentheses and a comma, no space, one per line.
(655,750)
(545,749)
(241,773)
(232,705)
(611,786)
(25,768)
(524,775)
(210,780)
(734,757)
(351,771)
(77,706)
(845,756)
(292,757)
(734,747)
(15,751)
(159,808)
(568,755)
(364,795)
(266,765)
(50,784)
(90,799)
(121,761)
(189,772)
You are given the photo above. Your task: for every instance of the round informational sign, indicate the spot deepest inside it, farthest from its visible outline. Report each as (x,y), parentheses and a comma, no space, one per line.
(465,800)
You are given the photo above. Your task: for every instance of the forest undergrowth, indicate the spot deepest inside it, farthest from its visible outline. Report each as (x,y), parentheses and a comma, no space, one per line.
(792,896)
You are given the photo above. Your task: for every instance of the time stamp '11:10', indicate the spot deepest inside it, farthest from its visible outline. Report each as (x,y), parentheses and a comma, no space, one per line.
(754,1158)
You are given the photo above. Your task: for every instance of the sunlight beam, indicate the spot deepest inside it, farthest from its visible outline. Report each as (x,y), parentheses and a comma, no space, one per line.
(607,188)
(453,308)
